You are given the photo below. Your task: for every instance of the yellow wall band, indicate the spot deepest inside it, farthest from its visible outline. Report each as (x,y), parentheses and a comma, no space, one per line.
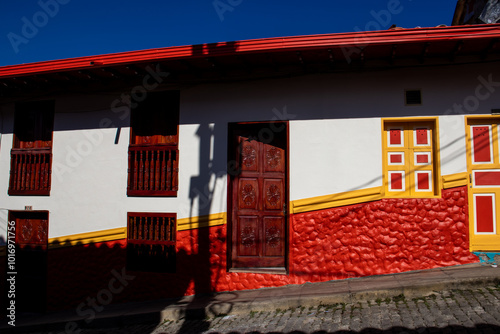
(298,206)
(203,221)
(361,196)
(121,232)
(341,199)
(89,237)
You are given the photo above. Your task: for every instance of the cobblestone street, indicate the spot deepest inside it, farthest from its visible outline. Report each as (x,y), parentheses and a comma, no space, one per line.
(454,311)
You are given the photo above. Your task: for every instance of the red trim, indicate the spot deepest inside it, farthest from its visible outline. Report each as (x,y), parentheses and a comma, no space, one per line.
(337,40)
(422,158)
(397,181)
(484,214)
(482,144)
(487,178)
(422,136)
(396,158)
(423,181)
(395,136)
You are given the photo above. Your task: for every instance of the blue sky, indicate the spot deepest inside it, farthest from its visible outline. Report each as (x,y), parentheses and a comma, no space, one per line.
(38,30)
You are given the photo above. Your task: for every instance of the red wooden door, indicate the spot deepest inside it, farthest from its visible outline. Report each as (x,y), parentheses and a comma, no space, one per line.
(31,260)
(259,199)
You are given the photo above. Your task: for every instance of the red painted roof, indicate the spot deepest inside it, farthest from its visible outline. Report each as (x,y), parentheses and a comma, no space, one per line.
(298,43)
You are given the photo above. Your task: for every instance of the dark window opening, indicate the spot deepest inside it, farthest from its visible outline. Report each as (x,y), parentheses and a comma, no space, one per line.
(413,97)
(151,242)
(153,151)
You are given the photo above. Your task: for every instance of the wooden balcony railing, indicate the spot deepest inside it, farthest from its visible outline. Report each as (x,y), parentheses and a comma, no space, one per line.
(151,242)
(153,170)
(151,229)
(30,172)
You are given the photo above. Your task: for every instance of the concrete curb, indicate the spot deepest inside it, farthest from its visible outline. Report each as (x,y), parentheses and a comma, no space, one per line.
(221,307)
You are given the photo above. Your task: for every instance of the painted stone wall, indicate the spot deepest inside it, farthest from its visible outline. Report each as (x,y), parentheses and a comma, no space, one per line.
(380,237)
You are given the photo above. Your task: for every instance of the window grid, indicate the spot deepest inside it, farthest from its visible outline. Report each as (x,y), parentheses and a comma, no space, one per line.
(415,175)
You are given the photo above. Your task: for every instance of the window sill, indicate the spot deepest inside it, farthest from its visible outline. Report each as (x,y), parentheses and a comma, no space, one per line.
(270,270)
(151,193)
(29,192)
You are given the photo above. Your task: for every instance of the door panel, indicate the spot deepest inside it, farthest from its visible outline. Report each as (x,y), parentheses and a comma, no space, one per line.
(481,142)
(484,217)
(31,259)
(249,154)
(484,183)
(274,244)
(248,235)
(248,195)
(258,197)
(273,197)
(274,159)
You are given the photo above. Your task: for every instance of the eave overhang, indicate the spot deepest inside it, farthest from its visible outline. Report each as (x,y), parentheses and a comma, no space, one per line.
(256,59)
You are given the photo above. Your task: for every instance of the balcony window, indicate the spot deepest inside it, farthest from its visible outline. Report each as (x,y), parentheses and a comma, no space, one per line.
(153,150)
(31,154)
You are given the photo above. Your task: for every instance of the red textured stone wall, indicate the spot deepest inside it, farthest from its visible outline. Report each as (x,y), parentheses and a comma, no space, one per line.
(76,273)
(380,237)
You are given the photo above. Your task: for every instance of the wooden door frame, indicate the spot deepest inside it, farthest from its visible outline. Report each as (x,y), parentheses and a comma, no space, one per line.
(232,172)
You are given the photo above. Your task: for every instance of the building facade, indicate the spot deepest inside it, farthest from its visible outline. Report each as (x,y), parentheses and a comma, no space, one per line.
(200,169)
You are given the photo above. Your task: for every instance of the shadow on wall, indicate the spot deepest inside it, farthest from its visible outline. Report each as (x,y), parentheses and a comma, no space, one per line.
(201,200)
(88,278)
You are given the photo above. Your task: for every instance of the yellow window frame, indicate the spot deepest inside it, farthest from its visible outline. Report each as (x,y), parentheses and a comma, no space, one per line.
(483,241)
(409,150)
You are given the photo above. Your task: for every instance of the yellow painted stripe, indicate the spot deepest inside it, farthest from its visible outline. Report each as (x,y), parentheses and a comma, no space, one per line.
(298,206)
(203,221)
(340,199)
(485,246)
(361,196)
(88,238)
(454,180)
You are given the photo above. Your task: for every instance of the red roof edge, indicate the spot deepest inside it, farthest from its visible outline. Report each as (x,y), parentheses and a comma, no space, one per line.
(258,45)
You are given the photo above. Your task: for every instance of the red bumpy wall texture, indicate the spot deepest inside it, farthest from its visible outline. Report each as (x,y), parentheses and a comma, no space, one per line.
(380,237)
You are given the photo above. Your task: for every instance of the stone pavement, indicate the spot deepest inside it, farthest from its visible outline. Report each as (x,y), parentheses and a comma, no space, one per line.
(451,311)
(453,299)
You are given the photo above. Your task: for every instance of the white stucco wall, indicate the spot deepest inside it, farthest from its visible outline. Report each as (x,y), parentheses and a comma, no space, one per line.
(335,140)
(332,156)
